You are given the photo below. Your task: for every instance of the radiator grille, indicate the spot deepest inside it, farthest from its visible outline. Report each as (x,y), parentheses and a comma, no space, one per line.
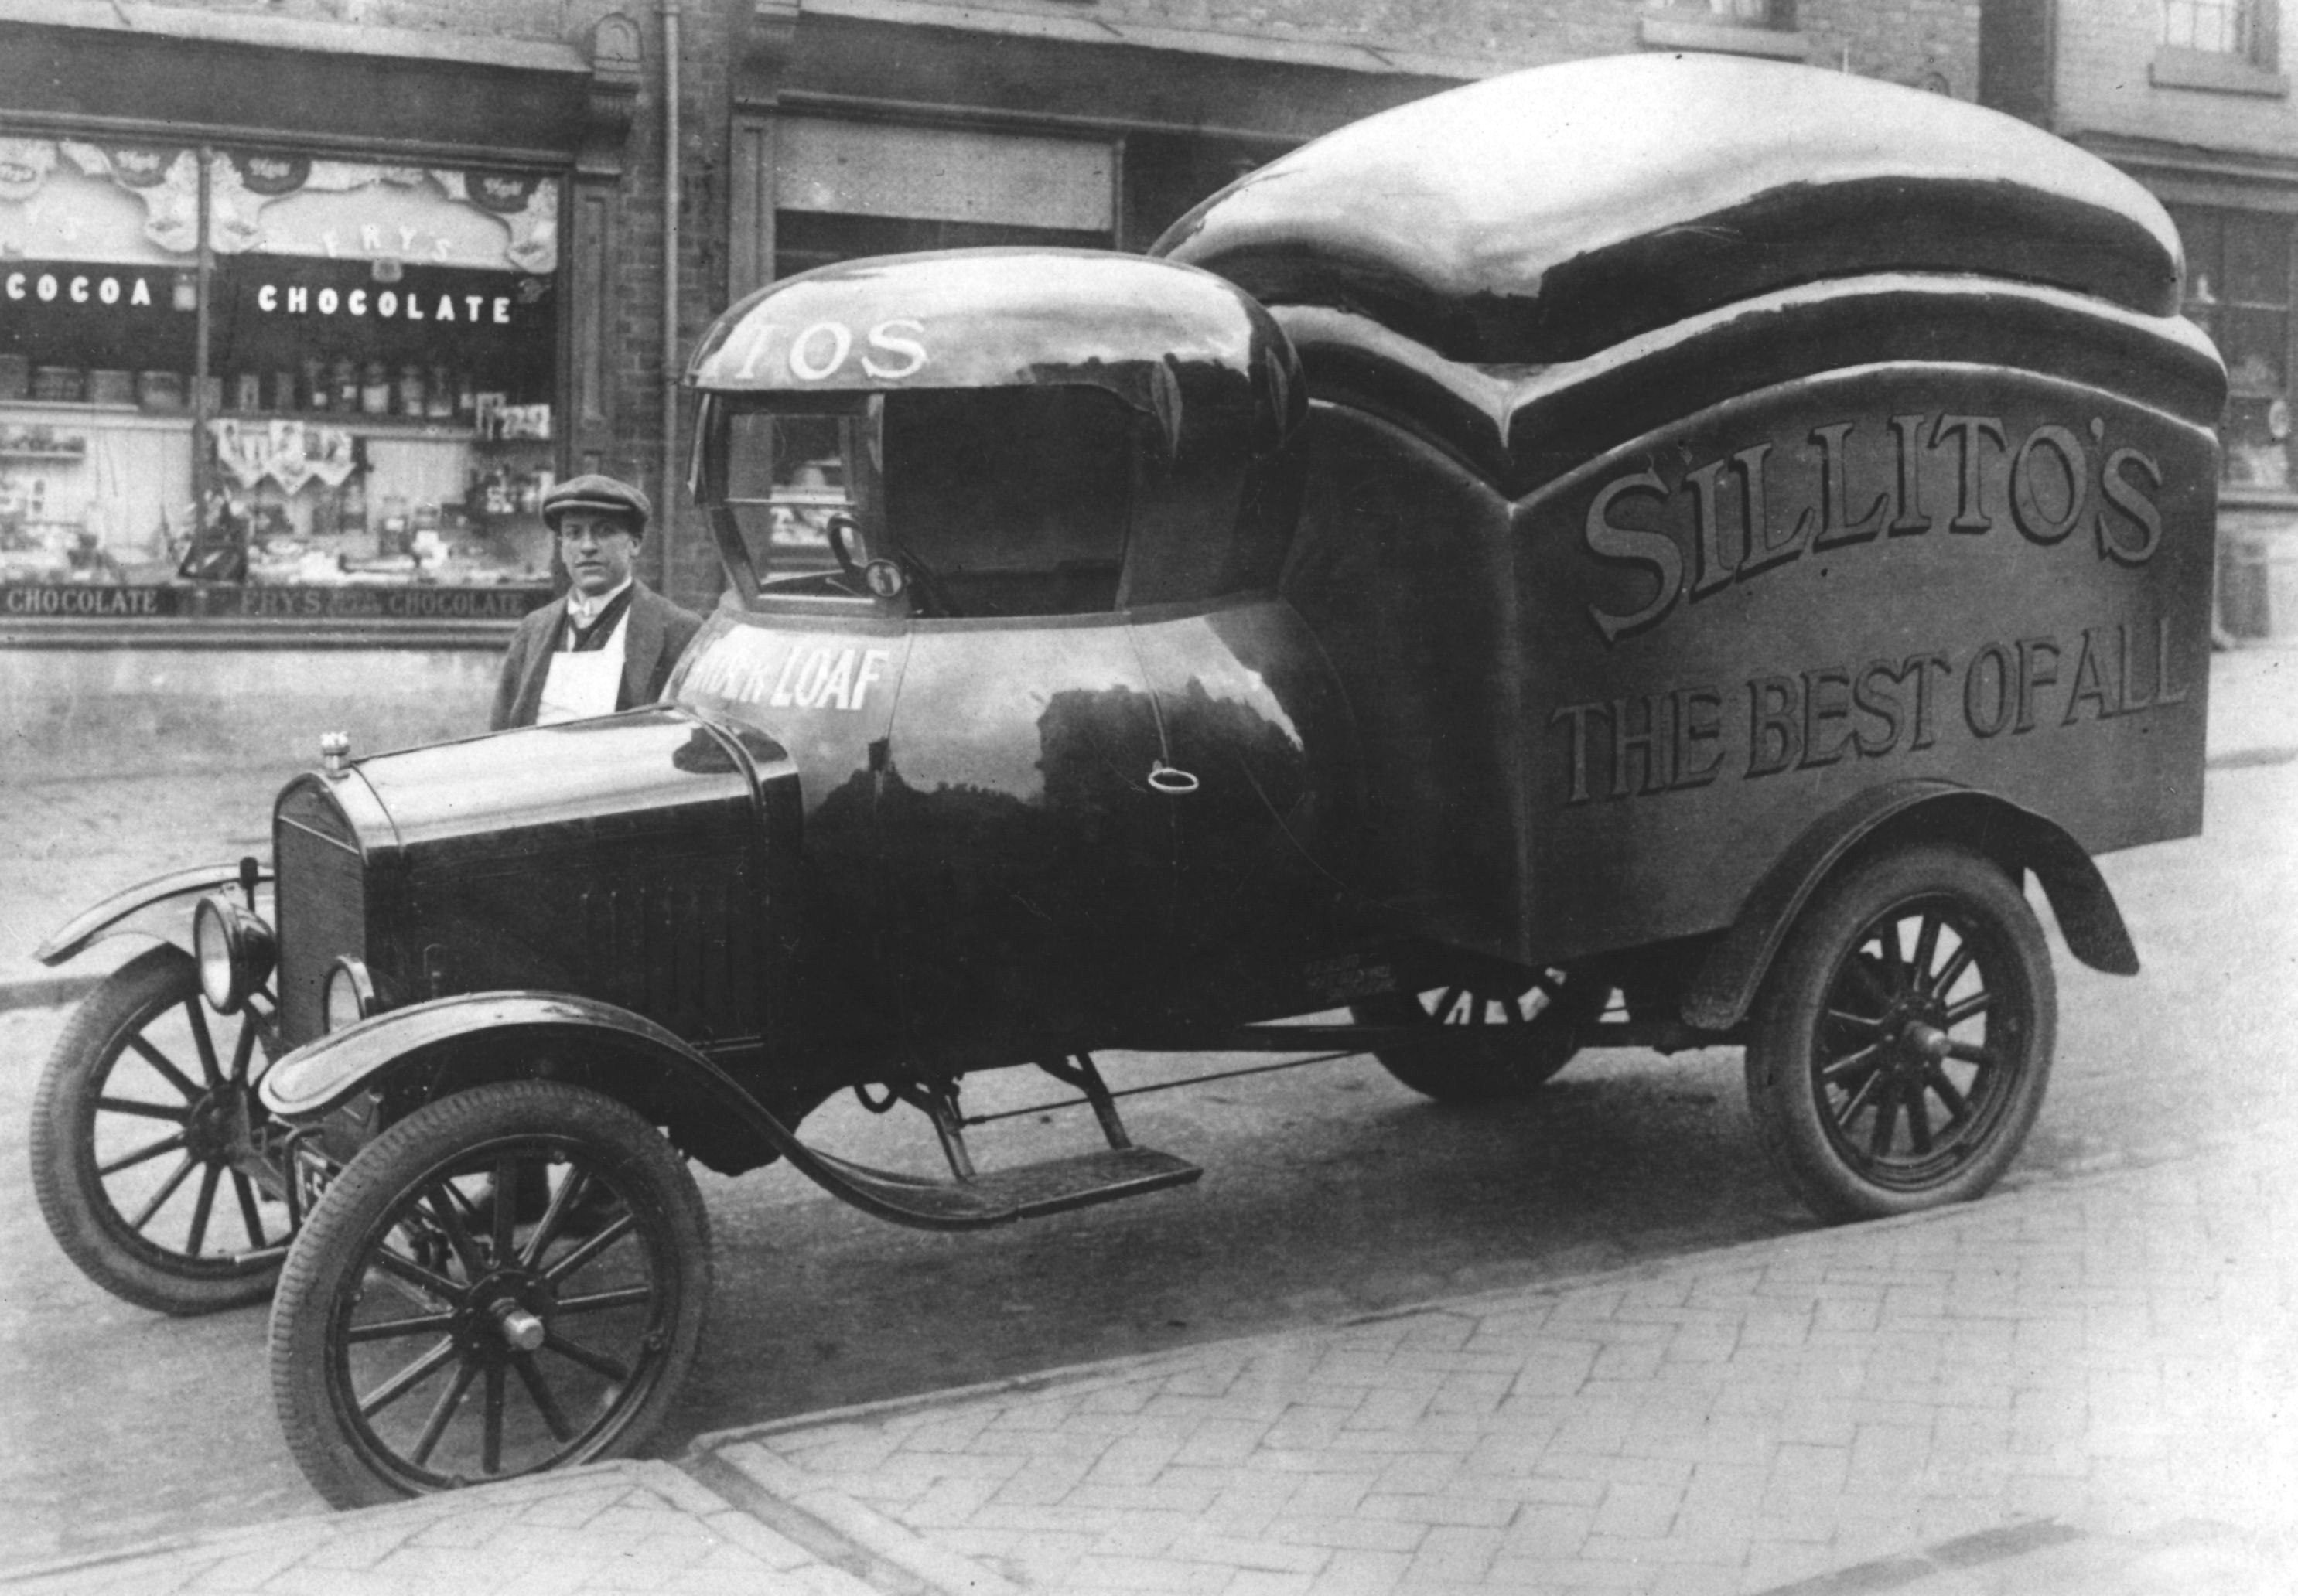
(322,905)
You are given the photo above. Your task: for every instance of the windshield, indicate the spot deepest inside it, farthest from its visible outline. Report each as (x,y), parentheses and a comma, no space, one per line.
(788,474)
(996,502)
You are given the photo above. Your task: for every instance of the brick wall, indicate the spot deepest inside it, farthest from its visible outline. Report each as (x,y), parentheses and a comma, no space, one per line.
(1923,43)
(1905,41)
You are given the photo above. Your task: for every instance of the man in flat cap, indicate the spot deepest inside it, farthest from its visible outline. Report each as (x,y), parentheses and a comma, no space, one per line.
(610,643)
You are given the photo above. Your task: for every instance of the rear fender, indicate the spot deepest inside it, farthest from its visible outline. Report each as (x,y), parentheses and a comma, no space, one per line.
(160,908)
(1725,986)
(450,1043)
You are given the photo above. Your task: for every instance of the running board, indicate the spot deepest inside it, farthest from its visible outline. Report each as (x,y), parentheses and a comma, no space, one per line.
(1031,1191)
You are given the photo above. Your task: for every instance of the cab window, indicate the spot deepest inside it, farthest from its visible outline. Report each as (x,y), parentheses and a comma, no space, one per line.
(787,475)
(993,501)
(1011,501)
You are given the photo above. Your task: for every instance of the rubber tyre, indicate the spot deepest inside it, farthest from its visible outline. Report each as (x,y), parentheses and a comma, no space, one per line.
(1529,1042)
(1845,1050)
(328,1289)
(135,1001)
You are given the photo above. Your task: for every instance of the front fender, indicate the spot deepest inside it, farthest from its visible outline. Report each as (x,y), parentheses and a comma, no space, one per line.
(325,1074)
(159,908)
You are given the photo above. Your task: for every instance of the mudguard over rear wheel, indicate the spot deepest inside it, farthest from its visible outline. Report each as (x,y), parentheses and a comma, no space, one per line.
(433,1330)
(1902,1042)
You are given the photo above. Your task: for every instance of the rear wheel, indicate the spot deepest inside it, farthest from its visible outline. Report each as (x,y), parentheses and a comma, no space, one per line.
(144,1145)
(1903,1043)
(431,1334)
(1491,1041)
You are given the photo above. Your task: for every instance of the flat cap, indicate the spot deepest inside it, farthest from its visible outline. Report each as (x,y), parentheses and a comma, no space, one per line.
(605,495)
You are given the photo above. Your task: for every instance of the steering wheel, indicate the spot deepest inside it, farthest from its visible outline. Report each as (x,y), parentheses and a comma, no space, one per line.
(844,535)
(852,552)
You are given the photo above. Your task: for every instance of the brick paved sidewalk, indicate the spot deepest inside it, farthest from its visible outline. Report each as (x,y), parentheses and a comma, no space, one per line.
(2030,1392)
(612,1527)
(2087,1388)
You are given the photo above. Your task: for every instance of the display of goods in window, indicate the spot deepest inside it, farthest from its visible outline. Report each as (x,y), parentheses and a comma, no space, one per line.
(382,296)
(160,389)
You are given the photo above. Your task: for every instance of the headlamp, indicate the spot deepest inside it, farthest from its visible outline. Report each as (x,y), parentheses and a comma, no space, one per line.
(235,949)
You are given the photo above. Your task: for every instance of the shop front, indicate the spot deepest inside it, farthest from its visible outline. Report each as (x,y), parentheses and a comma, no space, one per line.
(284,373)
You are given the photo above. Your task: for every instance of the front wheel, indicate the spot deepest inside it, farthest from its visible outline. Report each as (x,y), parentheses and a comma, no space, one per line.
(1903,1042)
(145,1144)
(1491,1039)
(433,1331)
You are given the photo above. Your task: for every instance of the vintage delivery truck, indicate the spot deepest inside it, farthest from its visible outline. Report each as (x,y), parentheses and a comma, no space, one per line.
(1652,552)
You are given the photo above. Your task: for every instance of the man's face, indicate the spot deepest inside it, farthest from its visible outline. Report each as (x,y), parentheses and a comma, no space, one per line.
(597,548)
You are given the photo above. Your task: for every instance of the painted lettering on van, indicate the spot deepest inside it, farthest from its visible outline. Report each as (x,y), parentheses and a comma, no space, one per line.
(1849,711)
(1731,519)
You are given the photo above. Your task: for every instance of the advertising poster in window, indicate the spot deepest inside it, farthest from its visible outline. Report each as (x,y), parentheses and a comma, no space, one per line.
(376,426)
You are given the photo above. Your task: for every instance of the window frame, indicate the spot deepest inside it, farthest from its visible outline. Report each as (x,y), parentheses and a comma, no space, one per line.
(2254,69)
(2206,270)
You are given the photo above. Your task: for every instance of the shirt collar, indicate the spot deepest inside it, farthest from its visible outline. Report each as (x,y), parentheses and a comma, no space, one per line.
(583,609)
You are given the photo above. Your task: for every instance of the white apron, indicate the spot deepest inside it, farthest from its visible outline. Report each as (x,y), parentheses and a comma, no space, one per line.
(580,684)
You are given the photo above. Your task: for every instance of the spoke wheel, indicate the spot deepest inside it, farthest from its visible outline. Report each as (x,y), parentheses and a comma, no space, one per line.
(1498,1041)
(144,1148)
(1903,1043)
(507,1280)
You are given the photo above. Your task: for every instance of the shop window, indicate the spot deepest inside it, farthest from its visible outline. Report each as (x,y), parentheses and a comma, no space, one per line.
(377,421)
(845,189)
(98,324)
(2238,290)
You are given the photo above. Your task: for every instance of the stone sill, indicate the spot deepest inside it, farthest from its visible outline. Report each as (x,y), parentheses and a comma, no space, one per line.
(2259,500)
(2213,73)
(1664,32)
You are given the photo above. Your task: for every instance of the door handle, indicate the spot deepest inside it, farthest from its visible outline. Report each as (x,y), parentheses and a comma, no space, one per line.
(1168,780)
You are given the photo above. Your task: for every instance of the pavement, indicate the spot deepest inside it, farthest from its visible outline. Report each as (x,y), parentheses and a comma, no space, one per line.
(2089,1385)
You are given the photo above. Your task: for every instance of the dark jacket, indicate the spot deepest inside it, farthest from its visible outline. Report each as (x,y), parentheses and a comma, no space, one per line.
(655,633)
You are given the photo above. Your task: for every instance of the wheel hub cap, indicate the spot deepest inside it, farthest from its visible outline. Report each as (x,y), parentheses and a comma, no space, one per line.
(1926,1042)
(521,1329)
(506,1313)
(211,1134)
